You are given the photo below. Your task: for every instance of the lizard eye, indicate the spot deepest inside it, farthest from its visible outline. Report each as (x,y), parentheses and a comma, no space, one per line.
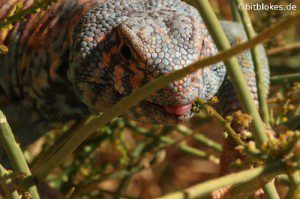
(125,52)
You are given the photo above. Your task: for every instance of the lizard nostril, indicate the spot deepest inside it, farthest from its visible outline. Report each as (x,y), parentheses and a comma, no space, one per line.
(125,52)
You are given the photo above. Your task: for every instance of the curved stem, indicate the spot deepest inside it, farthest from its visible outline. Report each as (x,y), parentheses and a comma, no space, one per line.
(283,79)
(260,81)
(16,156)
(7,185)
(203,190)
(234,71)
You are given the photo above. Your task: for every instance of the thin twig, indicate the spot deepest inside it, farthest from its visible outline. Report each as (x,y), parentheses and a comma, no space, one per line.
(269,188)
(283,79)
(113,193)
(198,153)
(203,190)
(122,186)
(16,157)
(254,153)
(36,7)
(7,185)
(234,71)
(235,13)
(283,49)
(256,57)
(200,138)
(284,180)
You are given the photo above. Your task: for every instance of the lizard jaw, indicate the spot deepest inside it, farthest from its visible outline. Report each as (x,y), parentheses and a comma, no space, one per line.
(178,110)
(149,112)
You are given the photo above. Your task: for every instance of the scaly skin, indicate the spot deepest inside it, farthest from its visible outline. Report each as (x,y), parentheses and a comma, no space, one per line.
(81,57)
(84,57)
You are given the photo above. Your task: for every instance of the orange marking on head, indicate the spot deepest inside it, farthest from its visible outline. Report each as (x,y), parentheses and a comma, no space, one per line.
(88,39)
(199,73)
(106,58)
(136,80)
(114,50)
(100,39)
(247,64)
(206,70)
(118,73)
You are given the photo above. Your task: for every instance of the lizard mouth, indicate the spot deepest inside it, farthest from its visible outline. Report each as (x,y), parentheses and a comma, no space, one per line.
(178,110)
(162,114)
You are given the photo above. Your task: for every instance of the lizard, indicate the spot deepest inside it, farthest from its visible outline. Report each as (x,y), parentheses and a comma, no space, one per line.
(80,57)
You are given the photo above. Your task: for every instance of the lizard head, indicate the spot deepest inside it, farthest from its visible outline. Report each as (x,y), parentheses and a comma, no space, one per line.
(120,46)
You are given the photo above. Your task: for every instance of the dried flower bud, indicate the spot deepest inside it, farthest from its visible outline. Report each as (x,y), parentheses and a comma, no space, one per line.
(214,100)
(243,119)
(196,109)
(264,146)
(246,134)
(251,145)
(240,148)
(3,49)
(228,118)
(285,119)
(210,110)
(225,134)
(27,195)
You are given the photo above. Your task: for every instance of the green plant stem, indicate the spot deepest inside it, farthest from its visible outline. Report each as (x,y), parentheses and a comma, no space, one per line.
(235,13)
(237,78)
(260,81)
(36,6)
(94,184)
(205,141)
(295,46)
(226,124)
(191,150)
(16,156)
(7,185)
(198,153)
(294,192)
(89,126)
(284,180)
(122,186)
(283,79)
(270,190)
(247,189)
(42,158)
(203,190)
(234,71)
(201,139)
(112,193)
(294,189)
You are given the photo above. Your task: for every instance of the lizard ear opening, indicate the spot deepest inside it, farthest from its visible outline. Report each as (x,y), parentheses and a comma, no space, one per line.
(125,52)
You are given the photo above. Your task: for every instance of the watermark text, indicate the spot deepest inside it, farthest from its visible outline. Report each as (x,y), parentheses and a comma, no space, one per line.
(267,6)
